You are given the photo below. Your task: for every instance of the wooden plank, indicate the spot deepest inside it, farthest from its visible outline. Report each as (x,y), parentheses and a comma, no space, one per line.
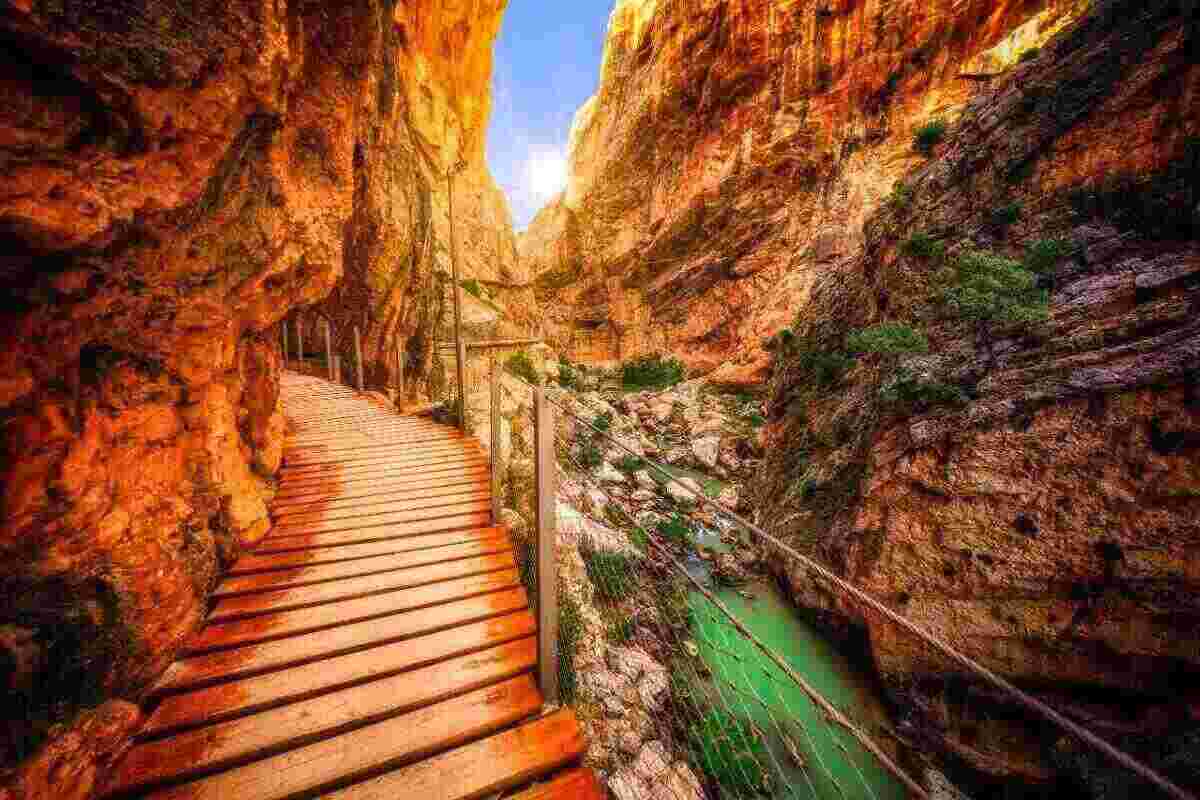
(574,784)
(375,446)
(500,762)
(431,510)
(193,753)
(374,534)
(455,462)
(235,632)
(420,453)
(271,599)
(387,744)
(256,562)
(342,488)
(304,575)
(256,694)
(375,498)
(368,510)
(271,656)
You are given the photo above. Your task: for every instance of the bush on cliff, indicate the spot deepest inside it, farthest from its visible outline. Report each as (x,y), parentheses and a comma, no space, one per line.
(651,372)
(521,365)
(889,338)
(986,287)
(929,135)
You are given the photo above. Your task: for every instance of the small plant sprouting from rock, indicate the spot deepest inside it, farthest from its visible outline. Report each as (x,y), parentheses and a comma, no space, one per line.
(568,376)
(889,338)
(611,573)
(676,530)
(1030,54)
(1043,255)
(621,631)
(570,636)
(629,464)
(929,135)
(901,197)
(1005,215)
(908,393)
(590,455)
(730,752)
(922,245)
(603,421)
(521,365)
(651,372)
(986,287)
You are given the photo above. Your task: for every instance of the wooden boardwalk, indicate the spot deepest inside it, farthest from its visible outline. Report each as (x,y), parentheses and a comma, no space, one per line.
(377,644)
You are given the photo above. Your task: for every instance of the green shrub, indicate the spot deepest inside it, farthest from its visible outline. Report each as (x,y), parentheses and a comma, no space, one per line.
(986,287)
(756,420)
(651,372)
(730,753)
(603,421)
(824,368)
(590,455)
(929,135)
(473,288)
(570,636)
(1005,215)
(640,538)
(629,464)
(521,365)
(675,529)
(1030,54)
(1043,255)
(889,338)
(901,197)
(621,631)
(611,573)
(568,377)
(922,245)
(908,394)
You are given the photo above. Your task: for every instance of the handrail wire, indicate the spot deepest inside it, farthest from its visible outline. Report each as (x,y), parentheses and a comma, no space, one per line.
(1023,698)
(830,713)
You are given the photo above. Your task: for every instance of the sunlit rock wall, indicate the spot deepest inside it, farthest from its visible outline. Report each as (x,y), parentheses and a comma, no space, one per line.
(177,176)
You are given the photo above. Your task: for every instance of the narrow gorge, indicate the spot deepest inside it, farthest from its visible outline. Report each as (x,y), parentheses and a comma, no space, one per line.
(911,285)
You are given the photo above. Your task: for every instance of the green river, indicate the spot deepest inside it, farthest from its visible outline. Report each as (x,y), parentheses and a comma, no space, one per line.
(836,766)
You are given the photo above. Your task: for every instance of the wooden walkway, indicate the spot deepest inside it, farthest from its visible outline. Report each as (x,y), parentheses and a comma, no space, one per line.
(377,644)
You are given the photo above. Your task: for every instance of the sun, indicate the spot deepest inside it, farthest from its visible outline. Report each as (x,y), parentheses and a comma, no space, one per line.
(547,173)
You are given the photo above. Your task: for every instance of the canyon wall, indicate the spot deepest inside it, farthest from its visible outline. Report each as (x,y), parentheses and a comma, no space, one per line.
(746,192)
(734,147)
(179,175)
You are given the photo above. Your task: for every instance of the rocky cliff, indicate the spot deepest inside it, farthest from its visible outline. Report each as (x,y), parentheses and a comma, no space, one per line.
(985,412)
(179,175)
(734,147)
(1010,190)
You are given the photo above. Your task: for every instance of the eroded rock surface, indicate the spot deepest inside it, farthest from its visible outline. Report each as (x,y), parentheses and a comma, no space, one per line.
(734,149)
(178,175)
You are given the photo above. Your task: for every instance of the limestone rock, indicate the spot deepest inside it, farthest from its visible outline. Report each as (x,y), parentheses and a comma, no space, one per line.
(707,450)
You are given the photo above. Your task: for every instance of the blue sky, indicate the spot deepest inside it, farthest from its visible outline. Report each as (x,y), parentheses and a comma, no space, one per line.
(547,63)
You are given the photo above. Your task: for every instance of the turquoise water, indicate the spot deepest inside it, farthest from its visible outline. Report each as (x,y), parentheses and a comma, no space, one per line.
(809,759)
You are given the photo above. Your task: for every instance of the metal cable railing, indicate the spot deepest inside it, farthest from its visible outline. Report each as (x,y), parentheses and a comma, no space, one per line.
(829,713)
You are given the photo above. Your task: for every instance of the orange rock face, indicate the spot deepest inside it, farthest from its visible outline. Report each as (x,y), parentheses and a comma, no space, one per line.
(734,148)
(177,177)
(1028,492)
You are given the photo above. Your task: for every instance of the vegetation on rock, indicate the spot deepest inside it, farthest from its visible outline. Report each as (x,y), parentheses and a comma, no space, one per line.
(651,372)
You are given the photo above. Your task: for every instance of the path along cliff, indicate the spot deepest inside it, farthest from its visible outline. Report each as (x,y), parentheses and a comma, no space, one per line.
(177,177)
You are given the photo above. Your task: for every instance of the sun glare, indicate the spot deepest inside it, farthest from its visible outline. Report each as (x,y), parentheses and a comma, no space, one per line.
(547,173)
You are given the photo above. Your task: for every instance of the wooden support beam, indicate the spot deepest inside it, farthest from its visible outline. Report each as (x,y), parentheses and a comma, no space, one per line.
(358,357)
(494,386)
(329,349)
(547,583)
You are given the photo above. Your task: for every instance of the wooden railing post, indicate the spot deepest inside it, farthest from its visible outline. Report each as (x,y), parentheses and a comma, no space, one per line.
(547,579)
(300,340)
(358,357)
(337,369)
(462,385)
(285,344)
(494,386)
(329,349)
(399,367)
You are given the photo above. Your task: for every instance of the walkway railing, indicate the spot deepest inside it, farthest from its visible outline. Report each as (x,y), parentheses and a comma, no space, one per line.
(717,691)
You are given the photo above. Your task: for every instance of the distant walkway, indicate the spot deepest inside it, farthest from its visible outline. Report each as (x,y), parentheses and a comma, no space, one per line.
(377,644)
